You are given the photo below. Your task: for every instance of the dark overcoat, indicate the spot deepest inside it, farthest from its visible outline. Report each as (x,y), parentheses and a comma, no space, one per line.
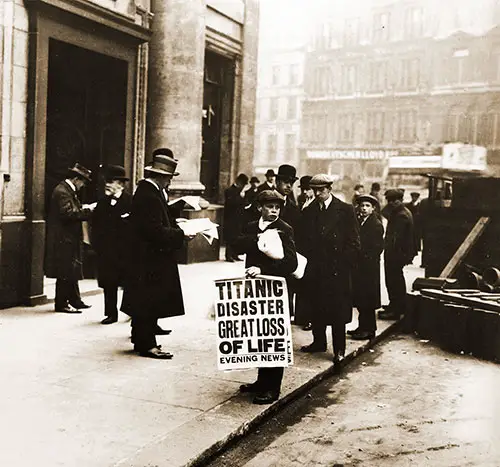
(291,213)
(247,243)
(367,271)
(330,242)
(110,226)
(399,242)
(63,253)
(264,186)
(153,285)
(234,207)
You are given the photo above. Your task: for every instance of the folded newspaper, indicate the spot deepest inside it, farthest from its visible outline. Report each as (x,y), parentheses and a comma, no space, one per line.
(191,201)
(203,226)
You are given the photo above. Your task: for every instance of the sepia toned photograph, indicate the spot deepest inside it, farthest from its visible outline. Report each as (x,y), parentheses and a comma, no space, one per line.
(249,233)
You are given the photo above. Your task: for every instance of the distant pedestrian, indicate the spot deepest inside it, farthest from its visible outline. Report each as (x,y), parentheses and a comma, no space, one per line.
(399,250)
(153,288)
(234,214)
(285,179)
(330,242)
(375,192)
(110,236)
(270,182)
(268,384)
(64,250)
(252,192)
(414,206)
(306,196)
(359,189)
(366,277)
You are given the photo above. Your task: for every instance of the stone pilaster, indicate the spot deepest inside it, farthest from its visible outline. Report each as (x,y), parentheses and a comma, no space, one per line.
(175,94)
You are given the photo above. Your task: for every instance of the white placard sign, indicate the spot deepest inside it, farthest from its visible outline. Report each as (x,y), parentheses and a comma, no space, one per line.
(253,323)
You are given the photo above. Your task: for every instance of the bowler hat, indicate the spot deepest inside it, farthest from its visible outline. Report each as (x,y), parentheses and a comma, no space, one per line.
(115,172)
(320,181)
(81,171)
(287,172)
(270,173)
(369,198)
(254,180)
(270,196)
(163,162)
(394,194)
(305,182)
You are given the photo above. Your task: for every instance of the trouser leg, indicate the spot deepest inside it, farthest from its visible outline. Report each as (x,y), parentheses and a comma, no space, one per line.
(338,339)
(269,379)
(367,320)
(319,334)
(74,293)
(396,287)
(111,301)
(62,294)
(143,333)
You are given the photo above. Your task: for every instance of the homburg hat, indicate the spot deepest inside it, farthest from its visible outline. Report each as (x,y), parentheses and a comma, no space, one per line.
(369,198)
(163,162)
(270,196)
(394,194)
(115,172)
(320,181)
(81,171)
(287,172)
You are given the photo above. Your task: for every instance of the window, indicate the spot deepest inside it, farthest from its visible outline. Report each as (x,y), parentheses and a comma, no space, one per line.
(375,127)
(271,147)
(377,76)
(409,75)
(381,27)
(276,75)
(406,126)
(294,74)
(414,23)
(290,146)
(346,127)
(349,79)
(351,32)
(273,113)
(321,81)
(292,108)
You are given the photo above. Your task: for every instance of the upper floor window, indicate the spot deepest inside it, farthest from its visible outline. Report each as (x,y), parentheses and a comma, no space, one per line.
(414,23)
(381,27)
(290,145)
(349,79)
(377,76)
(274,108)
(294,74)
(406,126)
(375,127)
(346,127)
(409,74)
(351,31)
(292,108)
(272,147)
(276,75)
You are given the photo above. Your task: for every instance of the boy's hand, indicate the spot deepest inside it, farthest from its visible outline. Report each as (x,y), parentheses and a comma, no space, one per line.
(252,271)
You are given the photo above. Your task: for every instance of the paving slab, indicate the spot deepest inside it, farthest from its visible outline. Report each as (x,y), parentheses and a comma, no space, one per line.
(74,394)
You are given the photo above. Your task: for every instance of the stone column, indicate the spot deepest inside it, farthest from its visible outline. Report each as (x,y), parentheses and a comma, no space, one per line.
(175,91)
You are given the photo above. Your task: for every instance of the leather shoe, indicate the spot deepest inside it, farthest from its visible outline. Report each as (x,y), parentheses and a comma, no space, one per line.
(267,397)
(338,361)
(162,332)
(68,309)
(353,331)
(109,320)
(307,327)
(313,348)
(80,306)
(362,335)
(388,315)
(156,352)
(249,387)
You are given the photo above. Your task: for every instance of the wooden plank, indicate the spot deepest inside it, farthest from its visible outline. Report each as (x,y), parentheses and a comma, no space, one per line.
(461,300)
(465,247)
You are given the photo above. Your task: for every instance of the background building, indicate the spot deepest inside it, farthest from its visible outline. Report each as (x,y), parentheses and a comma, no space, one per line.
(393,78)
(106,81)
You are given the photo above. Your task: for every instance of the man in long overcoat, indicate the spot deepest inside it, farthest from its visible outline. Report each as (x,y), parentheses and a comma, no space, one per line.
(153,288)
(234,214)
(330,242)
(63,254)
(366,276)
(109,238)
(399,250)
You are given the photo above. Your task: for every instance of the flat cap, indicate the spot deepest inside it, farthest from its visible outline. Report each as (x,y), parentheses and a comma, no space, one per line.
(320,181)
(270,196)
(394,194)
(369,198)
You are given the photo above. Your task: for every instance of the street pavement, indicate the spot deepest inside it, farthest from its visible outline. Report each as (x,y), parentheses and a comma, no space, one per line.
(74,394)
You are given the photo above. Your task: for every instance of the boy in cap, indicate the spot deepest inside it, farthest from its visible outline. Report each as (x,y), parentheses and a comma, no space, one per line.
(399,250)
(268,384)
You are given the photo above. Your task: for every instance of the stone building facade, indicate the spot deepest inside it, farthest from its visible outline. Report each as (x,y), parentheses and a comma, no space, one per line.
(107,81)
(400,78)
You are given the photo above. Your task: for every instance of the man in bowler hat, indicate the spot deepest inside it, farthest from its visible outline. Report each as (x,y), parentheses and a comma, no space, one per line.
(63,256)
(285,178)
(153,289)
(109,238)
(269,183)
(330,242)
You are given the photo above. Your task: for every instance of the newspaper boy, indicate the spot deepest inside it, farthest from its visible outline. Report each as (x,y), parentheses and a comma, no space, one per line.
(270,250)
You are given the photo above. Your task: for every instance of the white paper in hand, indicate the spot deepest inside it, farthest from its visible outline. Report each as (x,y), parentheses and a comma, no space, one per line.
(301,267)
(270,244)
